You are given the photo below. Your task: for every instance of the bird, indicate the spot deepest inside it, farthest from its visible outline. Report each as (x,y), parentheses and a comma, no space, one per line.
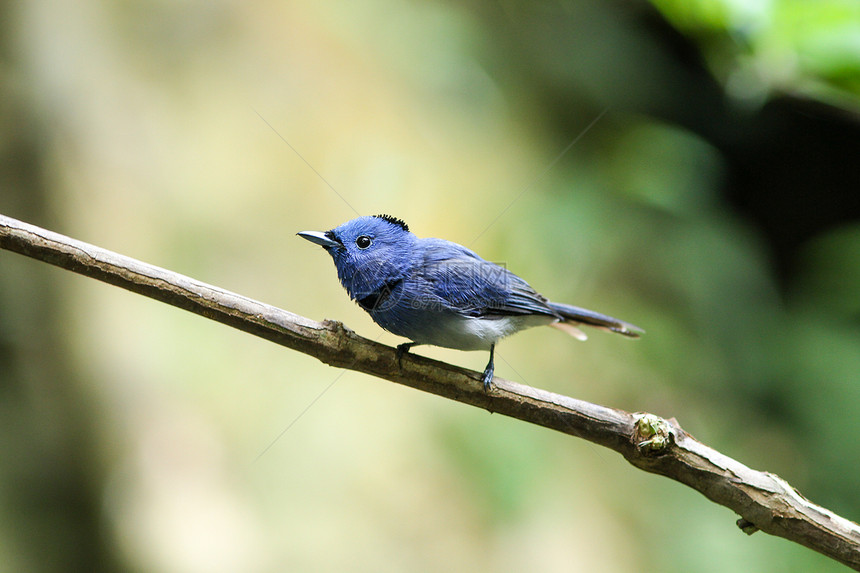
(437,292)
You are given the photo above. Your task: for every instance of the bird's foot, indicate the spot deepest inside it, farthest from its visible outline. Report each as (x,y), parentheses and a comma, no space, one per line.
(400,351)
(487,377)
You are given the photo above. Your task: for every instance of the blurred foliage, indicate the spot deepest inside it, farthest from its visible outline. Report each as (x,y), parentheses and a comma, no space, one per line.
(686,166)
(810,49)
(51,478)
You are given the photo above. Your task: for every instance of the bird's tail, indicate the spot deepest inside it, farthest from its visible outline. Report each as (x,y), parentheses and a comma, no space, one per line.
(573,316)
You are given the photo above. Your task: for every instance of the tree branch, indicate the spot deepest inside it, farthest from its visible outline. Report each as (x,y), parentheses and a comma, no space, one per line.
(763,500)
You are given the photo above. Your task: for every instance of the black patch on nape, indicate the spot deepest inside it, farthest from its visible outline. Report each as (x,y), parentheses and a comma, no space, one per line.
(394,220)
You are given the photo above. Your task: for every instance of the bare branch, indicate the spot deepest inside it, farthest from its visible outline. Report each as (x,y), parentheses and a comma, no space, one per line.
(763,500)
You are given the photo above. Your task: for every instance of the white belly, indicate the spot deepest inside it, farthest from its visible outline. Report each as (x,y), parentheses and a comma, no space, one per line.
(465,333)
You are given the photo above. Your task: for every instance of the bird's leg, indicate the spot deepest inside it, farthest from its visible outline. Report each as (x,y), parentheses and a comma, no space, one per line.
(487,378)
(401,350)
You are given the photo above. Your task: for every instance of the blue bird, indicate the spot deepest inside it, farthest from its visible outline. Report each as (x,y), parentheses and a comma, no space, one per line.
(436,292)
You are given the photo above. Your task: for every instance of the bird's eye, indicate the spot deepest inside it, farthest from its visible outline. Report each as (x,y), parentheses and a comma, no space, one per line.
(363,242)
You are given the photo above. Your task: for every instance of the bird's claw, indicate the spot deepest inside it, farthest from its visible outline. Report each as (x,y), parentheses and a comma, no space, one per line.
(487,378)
(400,351)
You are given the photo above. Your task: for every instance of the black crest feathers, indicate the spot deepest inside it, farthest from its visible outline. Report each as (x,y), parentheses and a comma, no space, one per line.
(394,220)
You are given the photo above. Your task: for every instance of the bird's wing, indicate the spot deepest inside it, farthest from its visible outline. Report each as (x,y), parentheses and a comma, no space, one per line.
(470,285)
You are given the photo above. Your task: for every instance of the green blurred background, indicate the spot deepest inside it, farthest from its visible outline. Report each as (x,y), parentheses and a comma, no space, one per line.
(715,203)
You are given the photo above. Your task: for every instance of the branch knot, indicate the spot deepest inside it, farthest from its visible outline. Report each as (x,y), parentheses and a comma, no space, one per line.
(653,434)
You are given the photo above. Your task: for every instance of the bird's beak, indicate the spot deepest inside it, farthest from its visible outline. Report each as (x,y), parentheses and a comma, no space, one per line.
(318,238)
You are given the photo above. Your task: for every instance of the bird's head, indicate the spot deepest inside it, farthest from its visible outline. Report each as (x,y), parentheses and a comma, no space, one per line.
(369,252)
